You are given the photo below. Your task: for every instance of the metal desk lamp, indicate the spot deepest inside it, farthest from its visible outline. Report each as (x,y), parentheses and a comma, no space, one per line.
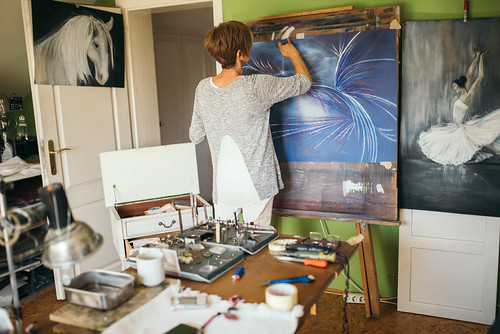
(66,243)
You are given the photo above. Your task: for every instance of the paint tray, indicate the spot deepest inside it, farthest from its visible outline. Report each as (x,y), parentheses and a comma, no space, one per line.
(100,289)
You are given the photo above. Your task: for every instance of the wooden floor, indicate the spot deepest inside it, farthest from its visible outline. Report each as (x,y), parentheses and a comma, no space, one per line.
(329,319)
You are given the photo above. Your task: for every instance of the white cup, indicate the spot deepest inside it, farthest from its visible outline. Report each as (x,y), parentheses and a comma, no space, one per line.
(150,267)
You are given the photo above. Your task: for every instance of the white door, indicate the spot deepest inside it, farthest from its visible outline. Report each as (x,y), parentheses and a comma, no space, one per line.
(181,63)
(143,79)
(90,120)
(87,121)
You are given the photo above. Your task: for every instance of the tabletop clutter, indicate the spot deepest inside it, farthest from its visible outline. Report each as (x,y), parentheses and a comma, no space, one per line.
(203,253)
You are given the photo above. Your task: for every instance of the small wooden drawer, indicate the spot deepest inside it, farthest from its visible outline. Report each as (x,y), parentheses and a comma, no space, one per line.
(136,224)
(148,225)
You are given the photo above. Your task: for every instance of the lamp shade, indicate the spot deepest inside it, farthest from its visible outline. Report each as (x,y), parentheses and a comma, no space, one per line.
(68,246)
(68,241)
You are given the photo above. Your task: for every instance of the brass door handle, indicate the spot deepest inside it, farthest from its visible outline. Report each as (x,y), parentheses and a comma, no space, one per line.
(59,151)
(52,156)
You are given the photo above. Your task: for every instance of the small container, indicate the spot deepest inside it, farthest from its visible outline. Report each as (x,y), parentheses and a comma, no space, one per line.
(100,289)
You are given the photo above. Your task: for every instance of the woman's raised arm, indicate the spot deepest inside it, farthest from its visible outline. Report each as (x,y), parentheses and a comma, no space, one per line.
(475,85)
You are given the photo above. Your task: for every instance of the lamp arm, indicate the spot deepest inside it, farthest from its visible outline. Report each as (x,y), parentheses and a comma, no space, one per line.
(56,203)
(19,220)
(29,214)
(16,306)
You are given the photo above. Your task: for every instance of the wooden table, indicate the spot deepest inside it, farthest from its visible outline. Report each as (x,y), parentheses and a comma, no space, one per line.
(259,268)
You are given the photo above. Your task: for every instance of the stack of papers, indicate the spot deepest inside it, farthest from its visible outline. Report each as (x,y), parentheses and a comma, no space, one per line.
(17,169)
(159,316)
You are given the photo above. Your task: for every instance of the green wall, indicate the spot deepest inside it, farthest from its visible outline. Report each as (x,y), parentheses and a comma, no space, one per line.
(28,112)
(385,238)
(411,10)
(29,115)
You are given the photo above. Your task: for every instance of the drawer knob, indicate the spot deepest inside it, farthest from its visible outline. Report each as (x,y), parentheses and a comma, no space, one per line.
(167,226)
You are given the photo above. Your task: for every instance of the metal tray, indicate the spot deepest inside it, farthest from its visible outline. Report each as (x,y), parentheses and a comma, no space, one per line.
(100,289)
(247,238)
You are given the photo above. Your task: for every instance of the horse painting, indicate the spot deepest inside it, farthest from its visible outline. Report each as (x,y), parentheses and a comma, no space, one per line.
(68,56)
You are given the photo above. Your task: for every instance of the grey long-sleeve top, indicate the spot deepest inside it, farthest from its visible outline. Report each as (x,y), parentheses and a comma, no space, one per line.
(241,111)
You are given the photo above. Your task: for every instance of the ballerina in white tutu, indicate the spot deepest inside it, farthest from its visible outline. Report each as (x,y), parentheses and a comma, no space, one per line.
(459,142)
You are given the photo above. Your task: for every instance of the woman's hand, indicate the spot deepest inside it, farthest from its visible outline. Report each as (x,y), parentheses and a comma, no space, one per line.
(480,52)
(288,50)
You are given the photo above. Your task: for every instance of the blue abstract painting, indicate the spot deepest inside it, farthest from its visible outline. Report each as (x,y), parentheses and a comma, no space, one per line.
(350,113)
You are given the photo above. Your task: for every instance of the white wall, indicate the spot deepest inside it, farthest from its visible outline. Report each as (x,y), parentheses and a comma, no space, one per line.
(14,63)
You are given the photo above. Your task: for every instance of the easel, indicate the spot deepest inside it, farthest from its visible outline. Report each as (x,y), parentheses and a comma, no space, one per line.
(335,20)
(367,261)
(367,264)
(368,271)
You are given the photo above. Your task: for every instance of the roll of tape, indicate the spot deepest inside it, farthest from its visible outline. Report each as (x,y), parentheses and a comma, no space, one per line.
(281,296)
(280,244)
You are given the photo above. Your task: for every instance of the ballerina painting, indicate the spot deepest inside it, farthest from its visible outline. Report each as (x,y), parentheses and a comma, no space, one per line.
(463,140)
(449,141)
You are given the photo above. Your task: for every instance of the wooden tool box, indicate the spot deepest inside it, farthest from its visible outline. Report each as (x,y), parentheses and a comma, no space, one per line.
(138,180)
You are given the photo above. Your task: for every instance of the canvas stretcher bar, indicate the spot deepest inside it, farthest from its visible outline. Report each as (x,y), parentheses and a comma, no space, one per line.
(311,12)
(327,21)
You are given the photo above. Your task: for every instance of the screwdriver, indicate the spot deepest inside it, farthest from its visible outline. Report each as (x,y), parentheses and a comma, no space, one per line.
(299,279)
(312,255)
(308,247)
(307,261)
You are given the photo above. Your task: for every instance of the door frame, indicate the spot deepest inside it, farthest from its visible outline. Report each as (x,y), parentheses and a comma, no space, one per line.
(141,69)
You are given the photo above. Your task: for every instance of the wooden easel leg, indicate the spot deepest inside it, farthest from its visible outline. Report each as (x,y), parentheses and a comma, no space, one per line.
(368,272)
(313,309)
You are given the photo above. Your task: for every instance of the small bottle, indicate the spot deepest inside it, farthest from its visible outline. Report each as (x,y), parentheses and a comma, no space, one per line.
(22,129)
(7,152)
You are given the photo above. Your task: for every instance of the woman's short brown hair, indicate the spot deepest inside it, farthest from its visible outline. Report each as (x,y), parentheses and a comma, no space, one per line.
(224,41)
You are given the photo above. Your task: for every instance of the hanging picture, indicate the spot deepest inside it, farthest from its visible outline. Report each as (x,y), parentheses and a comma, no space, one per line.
(450,117)
(77,46)
(336,144)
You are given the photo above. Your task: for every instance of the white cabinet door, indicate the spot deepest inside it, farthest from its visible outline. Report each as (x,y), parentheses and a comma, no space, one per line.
(448,265)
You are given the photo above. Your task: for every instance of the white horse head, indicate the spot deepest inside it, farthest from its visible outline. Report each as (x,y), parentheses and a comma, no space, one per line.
(63,57)
(99,51)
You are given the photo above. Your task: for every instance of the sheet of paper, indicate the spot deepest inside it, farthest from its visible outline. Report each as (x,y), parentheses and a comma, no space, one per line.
(171,260)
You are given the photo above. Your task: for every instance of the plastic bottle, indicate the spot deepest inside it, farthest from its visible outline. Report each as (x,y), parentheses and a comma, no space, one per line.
(22,129)
(7,153)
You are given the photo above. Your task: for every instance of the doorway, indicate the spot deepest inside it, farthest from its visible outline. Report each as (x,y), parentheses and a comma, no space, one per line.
(18,146)
(181,62)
